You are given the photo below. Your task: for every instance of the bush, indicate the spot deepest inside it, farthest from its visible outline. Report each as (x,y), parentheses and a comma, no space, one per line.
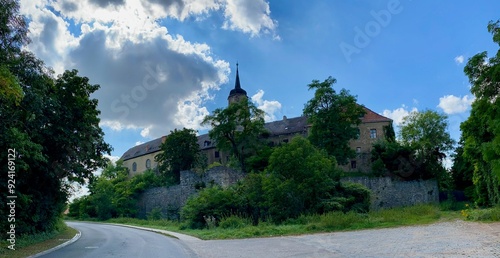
(234,222)
(155,214)
(211,202)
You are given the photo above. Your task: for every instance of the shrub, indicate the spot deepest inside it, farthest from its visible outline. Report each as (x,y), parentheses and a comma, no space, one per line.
(210,202)
(155,214)
(234,222)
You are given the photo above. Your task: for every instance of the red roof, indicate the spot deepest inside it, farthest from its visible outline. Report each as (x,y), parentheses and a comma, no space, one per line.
(372,117)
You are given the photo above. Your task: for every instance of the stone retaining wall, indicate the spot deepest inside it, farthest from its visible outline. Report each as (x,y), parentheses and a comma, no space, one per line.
(170,199)
(388,193)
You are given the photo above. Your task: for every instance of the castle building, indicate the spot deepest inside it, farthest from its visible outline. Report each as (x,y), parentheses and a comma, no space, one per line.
(141,157)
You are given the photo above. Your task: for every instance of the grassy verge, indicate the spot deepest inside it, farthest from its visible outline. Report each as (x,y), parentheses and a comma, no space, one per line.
(486,215)
(30,245)
(238,227)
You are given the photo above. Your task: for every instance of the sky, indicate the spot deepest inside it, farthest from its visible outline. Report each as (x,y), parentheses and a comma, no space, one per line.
(166,64)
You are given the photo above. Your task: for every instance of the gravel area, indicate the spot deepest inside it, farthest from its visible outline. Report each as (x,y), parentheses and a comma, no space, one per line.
(445,239)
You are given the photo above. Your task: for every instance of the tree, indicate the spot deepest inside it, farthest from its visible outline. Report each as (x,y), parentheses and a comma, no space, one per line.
(237,129)
(13,30)
(426,133)
(179,152)
(303,179)
(462,172)
(51,123)
(394,159)
(334,118)
(113,193)
(481,131)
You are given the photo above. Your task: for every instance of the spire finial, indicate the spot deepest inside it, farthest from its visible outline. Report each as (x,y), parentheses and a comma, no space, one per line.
(237,83)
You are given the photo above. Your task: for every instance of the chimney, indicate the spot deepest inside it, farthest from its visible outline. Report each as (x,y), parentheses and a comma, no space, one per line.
(284,118)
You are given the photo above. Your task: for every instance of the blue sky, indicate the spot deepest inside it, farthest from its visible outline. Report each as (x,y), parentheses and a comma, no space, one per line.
(166,64)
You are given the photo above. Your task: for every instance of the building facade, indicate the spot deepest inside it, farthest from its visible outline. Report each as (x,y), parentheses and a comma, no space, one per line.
(141,157)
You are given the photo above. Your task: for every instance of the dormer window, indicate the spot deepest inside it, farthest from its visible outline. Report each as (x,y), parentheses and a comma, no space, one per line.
(206,144)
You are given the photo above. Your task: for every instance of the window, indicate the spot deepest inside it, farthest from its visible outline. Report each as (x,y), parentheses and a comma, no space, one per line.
(358,149)
(358,133)
(285,140)
(134,166)
(148,163)
(373,133)
(206,143)
(216,154)
(353,164)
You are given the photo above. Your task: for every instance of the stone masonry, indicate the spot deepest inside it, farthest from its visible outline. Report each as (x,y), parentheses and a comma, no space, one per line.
(388,193)
(170,199)
(385,192)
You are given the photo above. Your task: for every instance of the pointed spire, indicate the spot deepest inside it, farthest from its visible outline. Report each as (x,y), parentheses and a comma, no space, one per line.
(237,83)
(237,91)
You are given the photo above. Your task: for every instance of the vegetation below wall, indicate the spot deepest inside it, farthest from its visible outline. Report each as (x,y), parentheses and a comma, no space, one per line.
(232,227)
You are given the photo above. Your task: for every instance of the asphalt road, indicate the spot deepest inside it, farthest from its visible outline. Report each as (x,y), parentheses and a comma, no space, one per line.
(100,240)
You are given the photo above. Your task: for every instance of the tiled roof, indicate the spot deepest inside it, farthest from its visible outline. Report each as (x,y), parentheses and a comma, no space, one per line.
(287,126)
(143,149)
(372,117)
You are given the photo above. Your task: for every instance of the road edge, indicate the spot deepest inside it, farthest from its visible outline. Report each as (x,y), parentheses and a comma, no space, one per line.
(172,234)
(71,241)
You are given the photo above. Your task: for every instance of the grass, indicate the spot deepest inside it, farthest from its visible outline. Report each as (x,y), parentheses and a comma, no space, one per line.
(33,244)
(235,227)
(485,215)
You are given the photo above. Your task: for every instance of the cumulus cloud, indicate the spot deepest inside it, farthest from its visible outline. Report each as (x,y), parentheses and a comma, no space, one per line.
(454,105)
(271,107)
(150,79)
(459,59)
(398,114)
(250,16)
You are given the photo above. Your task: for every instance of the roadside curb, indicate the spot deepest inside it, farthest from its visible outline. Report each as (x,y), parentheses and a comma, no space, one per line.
(71,241)
(176,235)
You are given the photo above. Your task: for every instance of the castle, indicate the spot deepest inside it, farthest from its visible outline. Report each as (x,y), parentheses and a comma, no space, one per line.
(142,157)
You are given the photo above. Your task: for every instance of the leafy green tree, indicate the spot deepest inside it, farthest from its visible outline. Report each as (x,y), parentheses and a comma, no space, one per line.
(462,172)
(180,151)
(303,179)
(237,129)
(481,131)
(427,134)
(52,123)
(13,30)
(391,158)
(114,194)
(334,118)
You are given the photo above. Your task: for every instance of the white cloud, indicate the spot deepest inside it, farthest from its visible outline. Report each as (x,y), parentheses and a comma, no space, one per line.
(138,143)
(146,132)
(398,114)
(459,59)
(249,16)
(150,79)
(115,125)
(271,107)
(113,159)
(455,105)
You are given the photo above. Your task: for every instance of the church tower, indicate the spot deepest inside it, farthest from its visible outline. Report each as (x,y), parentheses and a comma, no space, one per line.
(237,93)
